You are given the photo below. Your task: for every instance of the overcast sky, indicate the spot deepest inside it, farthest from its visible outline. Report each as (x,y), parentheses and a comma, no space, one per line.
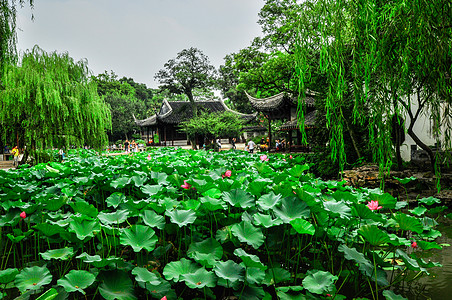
(135,38)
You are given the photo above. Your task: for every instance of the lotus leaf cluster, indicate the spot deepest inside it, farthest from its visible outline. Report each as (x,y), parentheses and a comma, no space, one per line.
(181,224)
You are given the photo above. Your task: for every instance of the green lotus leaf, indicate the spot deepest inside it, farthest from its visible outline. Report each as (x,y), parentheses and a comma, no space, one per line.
(33,278)
(363,212)
(268,201)
(239,198)
(160,290)
(251,293)
(229,271)
(258,186)
(429,200)
(386,200)
(249,260)
(404,180)
(428,245)
(302,226)
(265,220)
(319,282)
(191,204)
(55,203)
(390,295)
(200,279)
(407,222)
(84,208)
(338,208)
(437,210)
(213,204)
(76,280)
(151,190)
(120,182)
(139,180)
(60,254)
(181,217)
(8,275)
(254,275)
(143,275)
(161,178)
(398,241)
(115,199)
(48,295)
(206,252)
(139,237)
(354,255)
(213,193)
(116,217)
(152,219)
(369,271)
(292,208)
(249,234)
(83,228)
(418,211)
(411,263)
(374,235)
(97,261)
(298,170)
(276,275)
(11,218)
(175,269)
(116,285)
(345,196)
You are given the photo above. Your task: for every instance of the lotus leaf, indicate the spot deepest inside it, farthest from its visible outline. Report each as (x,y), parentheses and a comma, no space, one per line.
(251,293)
(139,237)
(152,219)
(258,186)
(390,295)
(265,220)
(338,208)
(292,208)
(120,182)
(206,252)
(84,208)
(97,261)
(33,278)
(174,270)
(213,204)
(76,280)
(374,235)
(429,200)
(268,201)
(319,282)
(428,245)
(302,226)
(181,217)
(249,260)
(161,178)
(229,271)
(200,279)
(151,190)
(84,227)
(407,222)
(116,285)
(8,275)
(239,198)
(254,275)
(116,217)
(139,180)
(276,275)
(49,295)
(60,254)
(298,170)
(249,234)
(143,275)
(115,199)
(411,263)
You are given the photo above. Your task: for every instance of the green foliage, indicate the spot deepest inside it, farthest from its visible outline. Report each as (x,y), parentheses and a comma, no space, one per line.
(48,101)
(212,125)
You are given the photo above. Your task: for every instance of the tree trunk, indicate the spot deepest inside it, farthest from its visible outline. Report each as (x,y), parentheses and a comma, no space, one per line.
(352,137)
(423,146)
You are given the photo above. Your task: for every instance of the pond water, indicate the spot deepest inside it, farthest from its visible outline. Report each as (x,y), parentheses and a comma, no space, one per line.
(439,284)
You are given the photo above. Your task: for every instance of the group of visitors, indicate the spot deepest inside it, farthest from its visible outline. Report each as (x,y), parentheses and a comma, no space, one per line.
(130,146)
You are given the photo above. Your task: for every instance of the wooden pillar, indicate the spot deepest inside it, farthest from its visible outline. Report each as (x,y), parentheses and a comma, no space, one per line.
(290,139)
(298,137)
(269,133)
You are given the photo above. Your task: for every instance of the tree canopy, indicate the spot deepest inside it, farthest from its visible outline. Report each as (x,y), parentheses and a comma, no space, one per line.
(190,70)
(48,100)
(393,55)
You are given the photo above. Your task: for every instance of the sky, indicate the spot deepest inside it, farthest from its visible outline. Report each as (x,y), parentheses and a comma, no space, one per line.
(135,38)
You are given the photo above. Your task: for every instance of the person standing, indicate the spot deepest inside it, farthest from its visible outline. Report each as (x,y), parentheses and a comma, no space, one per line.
(126,146)
(233,144)
(219,144)
(15,152)
(251,146)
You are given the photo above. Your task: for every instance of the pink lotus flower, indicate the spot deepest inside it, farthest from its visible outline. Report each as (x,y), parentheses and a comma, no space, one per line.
(414,245)
(186,185)
(284,159)
(329,295)
(290,157)
(164,298)
(373,205)
(23,215)
(264,157)
(228,173)
(149,157)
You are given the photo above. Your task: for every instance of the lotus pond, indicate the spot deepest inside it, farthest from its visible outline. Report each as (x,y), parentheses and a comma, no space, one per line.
(186,224)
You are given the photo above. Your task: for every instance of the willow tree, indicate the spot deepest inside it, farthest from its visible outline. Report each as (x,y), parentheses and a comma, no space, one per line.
(48,100)
(8,30)
(396,57)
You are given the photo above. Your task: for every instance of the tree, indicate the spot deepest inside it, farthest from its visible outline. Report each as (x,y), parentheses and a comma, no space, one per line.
(211,125)
(386,51)
(188,71)
(8,31)
(48,100)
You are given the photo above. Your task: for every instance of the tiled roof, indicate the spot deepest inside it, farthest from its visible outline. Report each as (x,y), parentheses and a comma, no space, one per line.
(277,102)
(309,121)
(174,112)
